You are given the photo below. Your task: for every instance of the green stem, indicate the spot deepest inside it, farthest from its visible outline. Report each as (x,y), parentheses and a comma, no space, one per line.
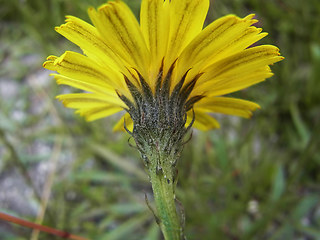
(163,187)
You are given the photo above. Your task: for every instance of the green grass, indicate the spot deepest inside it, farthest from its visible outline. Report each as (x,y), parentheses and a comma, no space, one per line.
(251,179)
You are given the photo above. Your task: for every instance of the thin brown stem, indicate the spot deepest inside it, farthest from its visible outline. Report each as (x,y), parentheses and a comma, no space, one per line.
(46,229)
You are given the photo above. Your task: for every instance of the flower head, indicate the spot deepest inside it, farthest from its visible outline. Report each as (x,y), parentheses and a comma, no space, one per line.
(166,71)
(165,74)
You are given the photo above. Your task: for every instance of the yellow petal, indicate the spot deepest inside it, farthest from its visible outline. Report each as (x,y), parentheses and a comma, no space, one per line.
(50,63)
(154,20)
(125,119)
(122,33)
(186,22)
(225,105)
(203,121)
(86,86)
(233,84)
(238,71)
(244,62)
(226,36)
(77,66)
(90,41)
(92,114)
(89,100)
(222,33)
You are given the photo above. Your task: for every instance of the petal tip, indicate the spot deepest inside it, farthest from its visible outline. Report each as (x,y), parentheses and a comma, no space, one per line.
(91,11)
(257,107)
(251,18)
(252,15)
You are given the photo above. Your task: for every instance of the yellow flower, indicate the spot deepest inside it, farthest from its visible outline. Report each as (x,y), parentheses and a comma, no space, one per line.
(168,58)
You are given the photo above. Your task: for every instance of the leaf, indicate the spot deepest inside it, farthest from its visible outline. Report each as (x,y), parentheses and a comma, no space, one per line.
(300,125)
(153,233)
(124,230)
(128,208)
(278,184)
(305,206)
(122,163)
(99,176)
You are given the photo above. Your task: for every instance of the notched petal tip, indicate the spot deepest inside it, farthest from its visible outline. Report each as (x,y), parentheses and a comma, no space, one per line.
(57,77)
(250,16)
(257,106)
(92,12)
(86,117)
(63,100)
(263,34)
(51,58)
(45,64)
(60,59)
(111,8)
(277,58)
(50,63)
(107,6)
(59,97)
(70,18)
(254,21)
(235,18)
(64,25)
(91,9)
(254,107)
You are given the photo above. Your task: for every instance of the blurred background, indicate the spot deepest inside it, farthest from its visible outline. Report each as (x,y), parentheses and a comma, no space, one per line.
(251,179)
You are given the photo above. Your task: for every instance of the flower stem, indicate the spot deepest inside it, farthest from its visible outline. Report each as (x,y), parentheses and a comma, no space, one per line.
(163,186)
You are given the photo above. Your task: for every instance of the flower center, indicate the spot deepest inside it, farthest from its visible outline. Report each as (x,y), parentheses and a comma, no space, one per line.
(160,117)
